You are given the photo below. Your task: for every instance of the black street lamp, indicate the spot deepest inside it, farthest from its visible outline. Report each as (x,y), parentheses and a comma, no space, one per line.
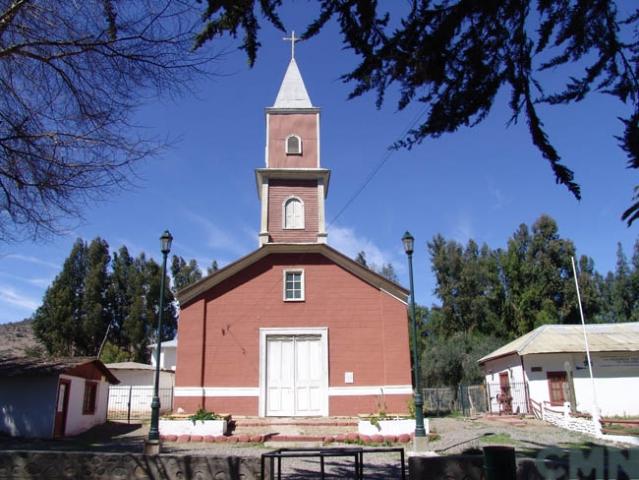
(409,243)
(154,431)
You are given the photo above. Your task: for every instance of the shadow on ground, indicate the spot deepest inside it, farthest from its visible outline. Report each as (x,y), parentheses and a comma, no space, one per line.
(109,437)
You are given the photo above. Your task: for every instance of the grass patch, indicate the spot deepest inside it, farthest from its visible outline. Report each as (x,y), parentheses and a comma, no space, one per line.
(621,429)
(498,439)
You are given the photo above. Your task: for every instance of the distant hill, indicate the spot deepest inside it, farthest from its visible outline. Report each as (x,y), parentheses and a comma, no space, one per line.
(18,339)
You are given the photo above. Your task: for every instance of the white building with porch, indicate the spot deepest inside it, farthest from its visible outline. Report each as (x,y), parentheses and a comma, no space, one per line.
(549,366)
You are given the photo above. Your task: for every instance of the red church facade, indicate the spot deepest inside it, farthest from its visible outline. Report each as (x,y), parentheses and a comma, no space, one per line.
(295,328)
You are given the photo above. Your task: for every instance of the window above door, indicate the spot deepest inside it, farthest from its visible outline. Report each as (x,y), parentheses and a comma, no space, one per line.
(294,285)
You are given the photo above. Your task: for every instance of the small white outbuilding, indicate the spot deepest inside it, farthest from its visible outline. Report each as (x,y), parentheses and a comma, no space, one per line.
(549,365)
(168,354)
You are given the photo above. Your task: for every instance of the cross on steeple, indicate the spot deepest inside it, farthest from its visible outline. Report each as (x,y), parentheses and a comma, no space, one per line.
(292,39)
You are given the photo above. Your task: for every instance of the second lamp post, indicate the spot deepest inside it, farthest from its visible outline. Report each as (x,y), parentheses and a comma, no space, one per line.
(154,431)
(420,431)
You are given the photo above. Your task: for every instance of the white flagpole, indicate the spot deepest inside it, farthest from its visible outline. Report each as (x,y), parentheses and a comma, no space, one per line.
(595,410)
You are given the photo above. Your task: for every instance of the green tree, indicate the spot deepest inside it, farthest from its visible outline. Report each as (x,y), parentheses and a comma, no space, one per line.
(152,277)
(450,361)
(622,295)
(213,268)
(95,315)
(87,300)
(183,273)
(361,258)
(120,293)
(538,281)
(454,57)
(57,322)
(590,290)
(468,286)
(111,353)
(634,283)
(136,324)
(388,272)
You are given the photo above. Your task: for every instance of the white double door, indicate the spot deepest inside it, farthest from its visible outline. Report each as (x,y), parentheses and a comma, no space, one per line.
(295,375)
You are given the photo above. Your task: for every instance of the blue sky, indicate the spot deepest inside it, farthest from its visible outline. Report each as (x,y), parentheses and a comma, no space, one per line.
(478,183)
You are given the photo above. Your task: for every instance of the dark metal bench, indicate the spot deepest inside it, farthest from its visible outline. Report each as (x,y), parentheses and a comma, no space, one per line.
(357,453)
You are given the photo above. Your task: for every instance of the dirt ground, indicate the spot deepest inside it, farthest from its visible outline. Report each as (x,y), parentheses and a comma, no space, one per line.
(456,435)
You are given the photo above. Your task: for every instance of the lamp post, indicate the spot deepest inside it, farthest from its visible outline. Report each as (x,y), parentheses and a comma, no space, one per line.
(409,243)
(154,431)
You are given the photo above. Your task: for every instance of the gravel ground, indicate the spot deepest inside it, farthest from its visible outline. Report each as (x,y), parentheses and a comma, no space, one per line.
(456,435)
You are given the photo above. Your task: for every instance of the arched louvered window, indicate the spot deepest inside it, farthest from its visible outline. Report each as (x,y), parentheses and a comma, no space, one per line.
(293,145)
(293,213)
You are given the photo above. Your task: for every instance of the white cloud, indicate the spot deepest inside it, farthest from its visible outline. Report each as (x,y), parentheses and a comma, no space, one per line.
(463,229)
(217,237)
(346,241)
(31,259)
(41,282)
(10,296)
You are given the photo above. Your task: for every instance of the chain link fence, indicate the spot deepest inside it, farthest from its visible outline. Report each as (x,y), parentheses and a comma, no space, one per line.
(470,400)
(133,402)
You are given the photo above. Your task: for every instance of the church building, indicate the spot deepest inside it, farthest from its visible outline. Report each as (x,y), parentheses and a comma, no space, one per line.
(294,328)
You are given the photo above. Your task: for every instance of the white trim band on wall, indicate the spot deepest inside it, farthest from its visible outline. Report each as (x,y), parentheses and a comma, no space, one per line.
(255,392)
(217,391)
(370,390)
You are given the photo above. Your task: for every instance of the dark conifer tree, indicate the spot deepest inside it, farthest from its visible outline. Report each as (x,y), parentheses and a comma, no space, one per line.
(183,273)
(96,316)
(58,321)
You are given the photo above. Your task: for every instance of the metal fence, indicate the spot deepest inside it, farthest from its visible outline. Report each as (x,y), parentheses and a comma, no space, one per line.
(510,398)
(466,399)
(127,402)
(471,400)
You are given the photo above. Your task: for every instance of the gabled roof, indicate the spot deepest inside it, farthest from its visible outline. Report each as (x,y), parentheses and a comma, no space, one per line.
(292,92)
(166,344)
(192,291)
(602,337)
(134,366)
(31,367)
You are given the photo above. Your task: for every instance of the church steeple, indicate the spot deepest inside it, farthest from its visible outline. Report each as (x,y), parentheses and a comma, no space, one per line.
(293,92)
(292,187)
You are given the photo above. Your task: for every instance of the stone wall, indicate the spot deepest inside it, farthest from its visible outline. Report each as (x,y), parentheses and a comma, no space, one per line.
(18,465)
(550,462)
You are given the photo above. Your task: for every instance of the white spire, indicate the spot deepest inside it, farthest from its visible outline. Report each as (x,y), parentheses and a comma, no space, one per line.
(292,92)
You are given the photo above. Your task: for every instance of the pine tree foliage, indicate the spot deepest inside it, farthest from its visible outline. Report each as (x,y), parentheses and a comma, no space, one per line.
(455,56)
(509,292)
(361,259)
(184,273)
(97,298)
(212,268)
(488,297)
(57,322)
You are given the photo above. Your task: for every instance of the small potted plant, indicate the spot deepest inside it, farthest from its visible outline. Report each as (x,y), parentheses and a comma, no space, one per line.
(202,422)
(381,423)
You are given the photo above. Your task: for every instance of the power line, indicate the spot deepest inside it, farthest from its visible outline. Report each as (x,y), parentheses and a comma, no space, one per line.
(378,167)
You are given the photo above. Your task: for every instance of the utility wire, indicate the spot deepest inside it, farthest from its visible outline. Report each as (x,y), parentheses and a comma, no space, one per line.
(378,167)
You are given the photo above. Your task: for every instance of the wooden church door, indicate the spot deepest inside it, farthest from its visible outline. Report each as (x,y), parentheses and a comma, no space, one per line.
(294,376)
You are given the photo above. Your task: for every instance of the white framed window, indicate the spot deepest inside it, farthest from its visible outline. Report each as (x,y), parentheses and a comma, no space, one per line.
(293,145)
(293,213)
(293,285)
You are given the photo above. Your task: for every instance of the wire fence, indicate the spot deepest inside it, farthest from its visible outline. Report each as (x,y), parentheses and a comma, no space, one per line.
(470,400)
(133,402)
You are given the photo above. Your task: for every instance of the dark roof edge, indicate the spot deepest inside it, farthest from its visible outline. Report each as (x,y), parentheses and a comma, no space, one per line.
(194,290)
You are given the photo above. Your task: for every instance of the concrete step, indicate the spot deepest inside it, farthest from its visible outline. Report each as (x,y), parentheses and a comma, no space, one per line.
(294,427)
